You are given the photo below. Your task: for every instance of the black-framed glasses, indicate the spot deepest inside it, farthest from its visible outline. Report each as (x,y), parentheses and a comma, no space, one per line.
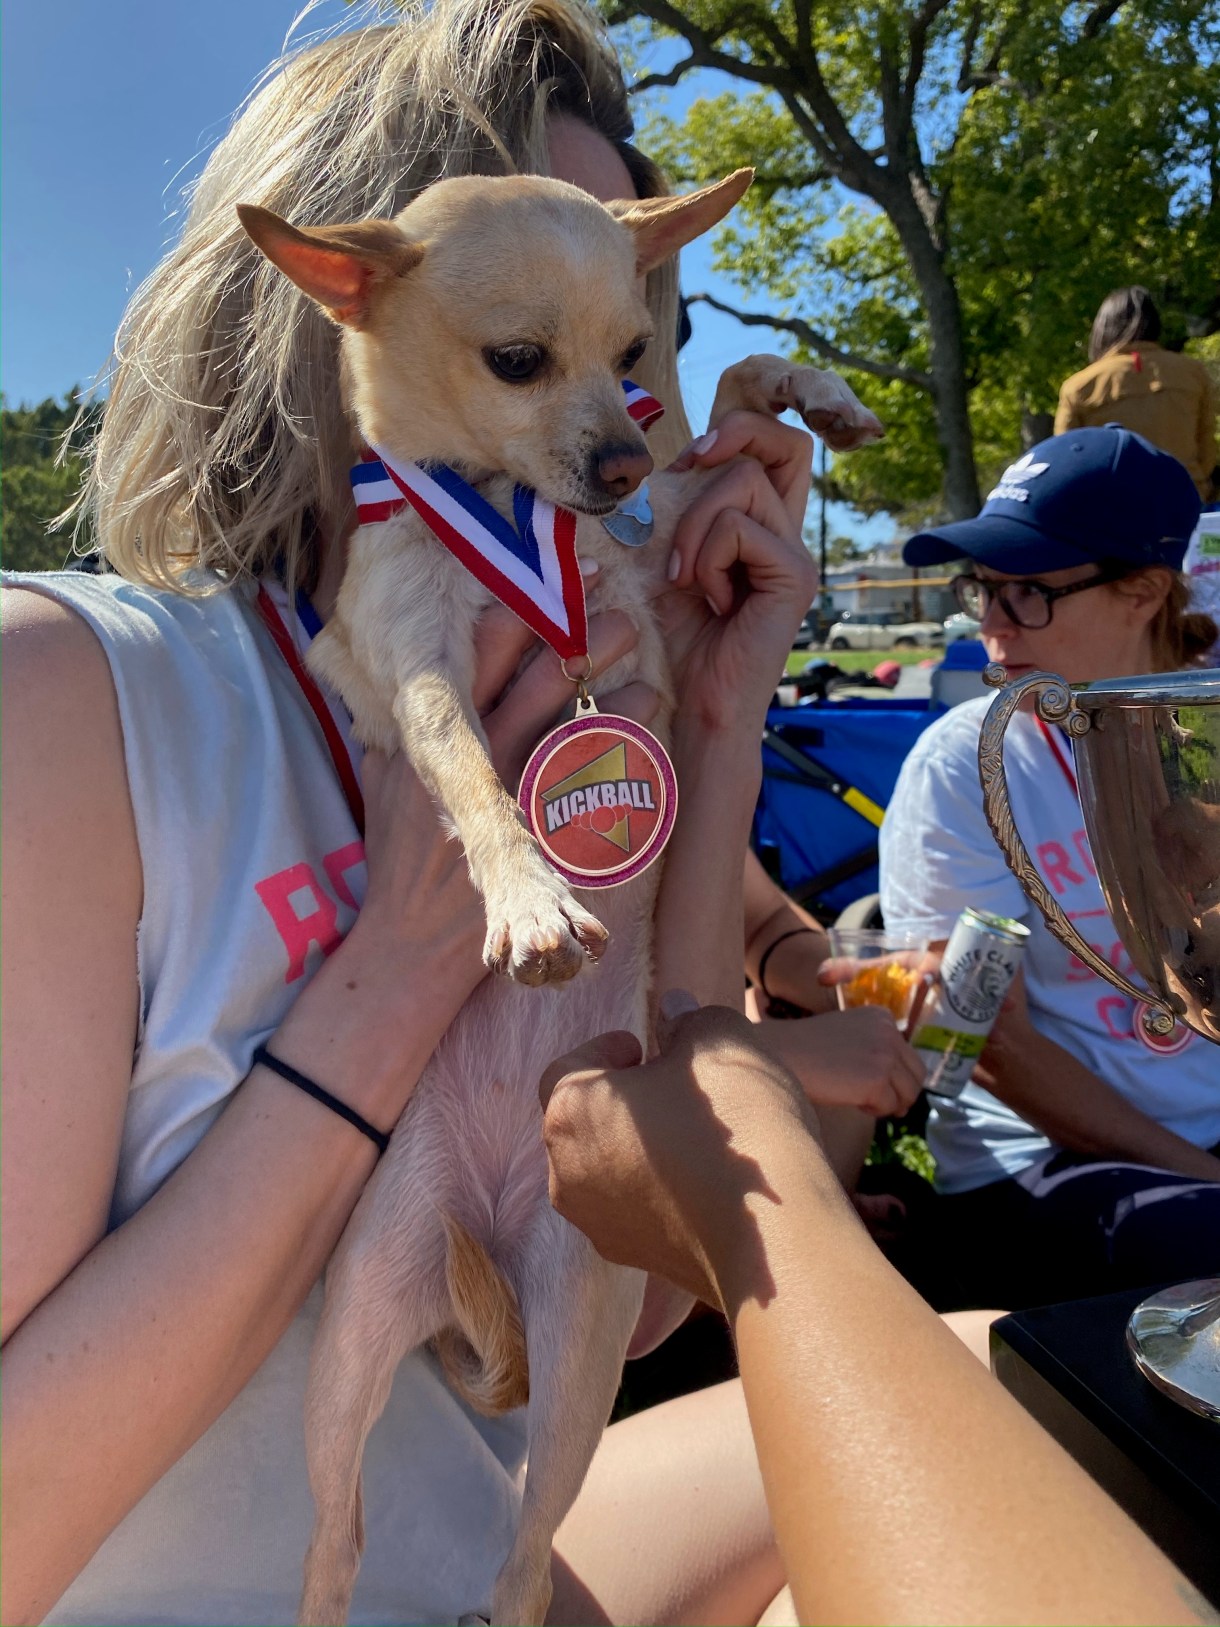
(1026,601)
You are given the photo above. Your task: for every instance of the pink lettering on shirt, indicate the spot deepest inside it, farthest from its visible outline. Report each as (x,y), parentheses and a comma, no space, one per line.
(300,930)
(1080,840)
(1057,867)
(1114,1010)
(337,864)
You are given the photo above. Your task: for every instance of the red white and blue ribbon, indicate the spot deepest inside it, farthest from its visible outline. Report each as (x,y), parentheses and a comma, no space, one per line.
(643,408)
(530,566)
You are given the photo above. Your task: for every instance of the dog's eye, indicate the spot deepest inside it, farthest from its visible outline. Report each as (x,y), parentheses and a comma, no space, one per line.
(632,355)
(515,363)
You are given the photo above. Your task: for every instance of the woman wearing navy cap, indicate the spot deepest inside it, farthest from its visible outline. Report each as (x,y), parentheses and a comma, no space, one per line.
(1083,1157)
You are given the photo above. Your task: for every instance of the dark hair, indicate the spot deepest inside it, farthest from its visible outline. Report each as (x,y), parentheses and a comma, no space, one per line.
(1123,317)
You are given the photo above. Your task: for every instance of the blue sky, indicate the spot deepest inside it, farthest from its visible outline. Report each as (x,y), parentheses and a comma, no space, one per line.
(107,109)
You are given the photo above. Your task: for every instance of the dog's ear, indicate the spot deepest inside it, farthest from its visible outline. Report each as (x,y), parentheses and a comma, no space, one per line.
(663,225)
(337,266)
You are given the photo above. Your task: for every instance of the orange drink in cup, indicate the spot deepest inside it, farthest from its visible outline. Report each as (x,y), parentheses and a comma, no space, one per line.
(878,968)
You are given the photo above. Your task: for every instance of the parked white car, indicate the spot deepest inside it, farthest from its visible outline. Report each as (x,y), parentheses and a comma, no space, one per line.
(881,630)
(960,625)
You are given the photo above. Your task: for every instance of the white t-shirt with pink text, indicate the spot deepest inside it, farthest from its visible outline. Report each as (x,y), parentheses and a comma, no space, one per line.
(938,856)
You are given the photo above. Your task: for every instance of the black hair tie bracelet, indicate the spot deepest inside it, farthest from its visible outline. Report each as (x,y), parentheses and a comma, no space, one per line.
(264,1058)
(776,1005)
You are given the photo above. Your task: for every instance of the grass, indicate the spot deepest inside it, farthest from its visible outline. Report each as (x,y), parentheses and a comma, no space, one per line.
(859,660)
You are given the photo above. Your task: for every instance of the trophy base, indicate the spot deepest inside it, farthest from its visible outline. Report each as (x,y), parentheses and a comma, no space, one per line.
(1174,1339)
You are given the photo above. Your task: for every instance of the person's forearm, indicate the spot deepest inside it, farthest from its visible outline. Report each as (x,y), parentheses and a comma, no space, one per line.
(1077,1110)
(801,945)
(879,1433)
(793,943)
(700,919)
(130,1359)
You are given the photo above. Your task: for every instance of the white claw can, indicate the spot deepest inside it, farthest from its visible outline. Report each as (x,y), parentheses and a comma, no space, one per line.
(980,961)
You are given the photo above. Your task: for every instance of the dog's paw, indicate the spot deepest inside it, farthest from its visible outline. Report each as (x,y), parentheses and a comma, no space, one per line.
(824,401)
(828,407)
(542,936)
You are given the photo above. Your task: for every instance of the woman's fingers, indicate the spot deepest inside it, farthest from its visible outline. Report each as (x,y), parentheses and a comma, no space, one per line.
(637,701)
(541,693)
(501,639)
(743,489)
(737,560)
(785,453)
(615,1049)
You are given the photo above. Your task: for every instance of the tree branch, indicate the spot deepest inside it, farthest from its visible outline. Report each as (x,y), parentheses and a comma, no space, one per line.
(655,81)
(820,345)
(801,91)
(966,72)
(1098,18)
(917,34)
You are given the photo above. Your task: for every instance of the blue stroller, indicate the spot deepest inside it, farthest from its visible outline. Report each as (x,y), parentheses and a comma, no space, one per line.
(828,772)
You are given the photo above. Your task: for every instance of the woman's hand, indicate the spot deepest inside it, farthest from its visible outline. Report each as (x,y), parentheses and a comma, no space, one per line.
(741,575)
(849,1059)
(519,702)
(660,1163)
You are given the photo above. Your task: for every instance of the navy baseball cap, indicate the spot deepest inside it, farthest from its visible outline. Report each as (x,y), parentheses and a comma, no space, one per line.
(1077,499)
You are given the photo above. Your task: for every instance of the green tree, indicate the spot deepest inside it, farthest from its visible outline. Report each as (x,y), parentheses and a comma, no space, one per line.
(946,189)
(35,483)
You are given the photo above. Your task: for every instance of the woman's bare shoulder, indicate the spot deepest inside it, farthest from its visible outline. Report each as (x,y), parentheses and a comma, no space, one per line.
(72,897)
(62,739)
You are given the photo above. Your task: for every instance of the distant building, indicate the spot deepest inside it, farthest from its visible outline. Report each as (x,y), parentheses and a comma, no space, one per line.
(879,580)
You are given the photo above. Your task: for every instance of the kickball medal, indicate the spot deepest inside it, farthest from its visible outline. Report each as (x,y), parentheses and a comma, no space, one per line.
(599,792)
(600,796)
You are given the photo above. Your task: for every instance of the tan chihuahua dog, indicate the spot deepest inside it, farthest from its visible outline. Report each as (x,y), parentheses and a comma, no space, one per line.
(489,327)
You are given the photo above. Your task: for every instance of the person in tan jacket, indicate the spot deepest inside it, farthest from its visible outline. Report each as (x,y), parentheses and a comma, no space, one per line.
(1131,380)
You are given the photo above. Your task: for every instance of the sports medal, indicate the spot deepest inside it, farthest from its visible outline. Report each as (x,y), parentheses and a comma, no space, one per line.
(599,791)
(600,796)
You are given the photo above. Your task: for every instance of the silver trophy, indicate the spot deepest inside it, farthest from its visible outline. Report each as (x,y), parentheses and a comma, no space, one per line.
(1147,756)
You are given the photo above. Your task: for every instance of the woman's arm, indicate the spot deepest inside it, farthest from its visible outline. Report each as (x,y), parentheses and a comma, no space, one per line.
(1066,414)
(700,1165)
(120,1350)
(1071,1105)
(737,553)
(797,943)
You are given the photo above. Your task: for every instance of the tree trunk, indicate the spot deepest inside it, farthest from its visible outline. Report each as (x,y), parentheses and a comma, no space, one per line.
(947,360)
(947,364)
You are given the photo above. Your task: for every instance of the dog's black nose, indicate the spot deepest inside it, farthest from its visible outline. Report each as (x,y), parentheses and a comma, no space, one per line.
(618,468)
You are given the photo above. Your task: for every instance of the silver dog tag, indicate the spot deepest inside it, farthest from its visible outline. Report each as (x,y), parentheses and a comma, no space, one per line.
(631,521)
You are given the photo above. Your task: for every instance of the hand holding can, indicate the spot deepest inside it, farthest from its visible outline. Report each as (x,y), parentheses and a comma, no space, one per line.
(981,960)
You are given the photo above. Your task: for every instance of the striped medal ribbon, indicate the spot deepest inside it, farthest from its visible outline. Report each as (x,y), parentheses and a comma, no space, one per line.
(598,791)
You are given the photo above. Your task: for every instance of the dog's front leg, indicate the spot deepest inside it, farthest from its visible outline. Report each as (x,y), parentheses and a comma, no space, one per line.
(536,930)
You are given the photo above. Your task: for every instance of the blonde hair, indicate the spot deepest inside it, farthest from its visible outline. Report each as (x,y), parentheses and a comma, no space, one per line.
(223,444)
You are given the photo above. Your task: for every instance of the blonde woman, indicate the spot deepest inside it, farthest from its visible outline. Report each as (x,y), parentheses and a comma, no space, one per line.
(184,878)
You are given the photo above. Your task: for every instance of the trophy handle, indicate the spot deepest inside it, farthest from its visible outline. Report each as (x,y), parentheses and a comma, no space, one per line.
(1055,704)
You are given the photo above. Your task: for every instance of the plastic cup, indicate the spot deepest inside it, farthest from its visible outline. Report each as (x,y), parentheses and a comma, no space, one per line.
(878,968)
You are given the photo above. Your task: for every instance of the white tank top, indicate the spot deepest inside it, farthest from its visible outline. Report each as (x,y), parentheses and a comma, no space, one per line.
(253,871)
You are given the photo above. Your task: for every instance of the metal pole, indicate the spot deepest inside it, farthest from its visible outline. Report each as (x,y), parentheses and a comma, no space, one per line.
(823,594)
(822,510)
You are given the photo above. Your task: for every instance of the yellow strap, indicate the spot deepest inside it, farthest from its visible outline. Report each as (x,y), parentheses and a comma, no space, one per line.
(863,805)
